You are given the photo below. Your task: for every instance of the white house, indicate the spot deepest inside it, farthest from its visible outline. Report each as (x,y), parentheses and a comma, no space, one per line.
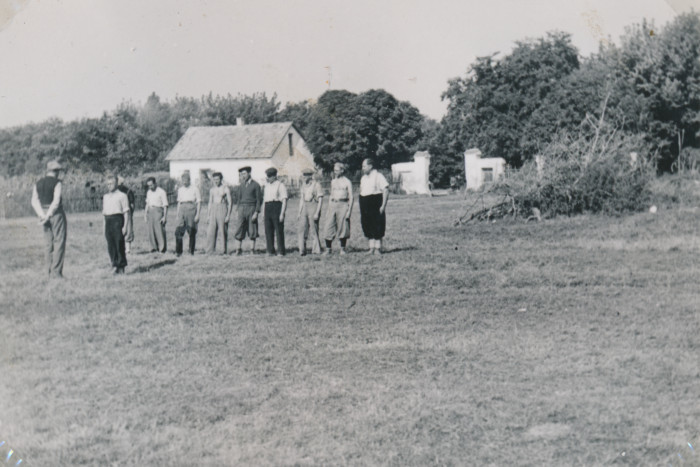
(414,176)
(225,149)
(478,171)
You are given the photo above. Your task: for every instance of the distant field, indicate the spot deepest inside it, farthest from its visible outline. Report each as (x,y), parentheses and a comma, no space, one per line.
(567,342)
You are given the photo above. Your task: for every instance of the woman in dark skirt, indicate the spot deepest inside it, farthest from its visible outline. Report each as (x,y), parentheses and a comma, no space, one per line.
(374,194)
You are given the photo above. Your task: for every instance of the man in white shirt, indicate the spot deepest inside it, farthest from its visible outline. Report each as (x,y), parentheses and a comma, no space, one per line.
(46,201)
(374,194)
(115,209)
(275,205)
(310,202)
(156,215)
(188,205)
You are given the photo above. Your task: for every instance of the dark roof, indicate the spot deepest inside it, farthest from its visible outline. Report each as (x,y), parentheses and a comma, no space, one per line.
(258,141)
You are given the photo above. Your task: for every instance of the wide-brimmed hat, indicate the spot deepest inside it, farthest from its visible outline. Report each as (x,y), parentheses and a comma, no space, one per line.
(245,169)
(307,172)
(54,165)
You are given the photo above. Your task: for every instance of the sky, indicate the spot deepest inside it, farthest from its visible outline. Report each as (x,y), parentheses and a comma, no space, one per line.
(78,58)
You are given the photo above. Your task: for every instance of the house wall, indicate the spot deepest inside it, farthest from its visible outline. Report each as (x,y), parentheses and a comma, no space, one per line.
(292,166)
(228,168)
(474,165)
(414,175)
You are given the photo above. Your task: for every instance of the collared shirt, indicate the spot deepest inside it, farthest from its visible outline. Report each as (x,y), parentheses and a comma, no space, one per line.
(373,184)
(218,194)
(275,191)
(157,198)
(250,193)
(341,189)
(188,194)
(311,191)
(115,202)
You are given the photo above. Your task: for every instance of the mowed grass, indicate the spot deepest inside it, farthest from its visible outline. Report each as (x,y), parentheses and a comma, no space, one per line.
(574,341)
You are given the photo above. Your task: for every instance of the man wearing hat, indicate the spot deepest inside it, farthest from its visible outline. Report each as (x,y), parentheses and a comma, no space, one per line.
(250,199)
(219,212)
(156,215)
(46,201)
(129,237)
(275,199)
(189,202)
(309,212)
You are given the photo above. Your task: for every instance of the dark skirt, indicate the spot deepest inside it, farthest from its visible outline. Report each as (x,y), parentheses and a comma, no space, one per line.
(373,223)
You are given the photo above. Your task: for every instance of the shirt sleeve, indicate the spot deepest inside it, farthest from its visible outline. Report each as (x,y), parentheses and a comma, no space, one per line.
(36,204)
(319,190)
(125,204)
(56,200)
(197,196)
(282,192)
(381,182)
(164,198)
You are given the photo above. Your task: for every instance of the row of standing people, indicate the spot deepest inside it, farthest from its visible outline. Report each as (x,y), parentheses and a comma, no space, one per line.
(271,199)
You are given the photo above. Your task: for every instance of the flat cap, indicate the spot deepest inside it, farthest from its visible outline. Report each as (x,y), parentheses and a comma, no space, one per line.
(54,165)
(307,172)
(271,172)
(245,169)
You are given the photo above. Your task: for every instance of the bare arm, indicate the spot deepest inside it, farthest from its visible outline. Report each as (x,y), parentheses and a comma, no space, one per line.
(385,198)
(229,200)
(284,208)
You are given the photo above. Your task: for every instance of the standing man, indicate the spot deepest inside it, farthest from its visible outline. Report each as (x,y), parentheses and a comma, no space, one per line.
(46,201)
(250,201)
(156,215)
(339,209)
(132,205)
(218,213)
(275,198)
(374,193)
(115,209)
(188,204)
(309,212)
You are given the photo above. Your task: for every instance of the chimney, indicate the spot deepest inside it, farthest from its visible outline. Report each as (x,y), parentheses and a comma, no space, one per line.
(239,121)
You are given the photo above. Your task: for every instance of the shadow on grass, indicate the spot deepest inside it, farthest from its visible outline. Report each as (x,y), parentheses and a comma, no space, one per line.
(154,266)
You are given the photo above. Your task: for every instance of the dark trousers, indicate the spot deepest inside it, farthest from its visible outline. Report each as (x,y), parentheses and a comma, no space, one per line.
(273,226)
(115,240)
(373,222)
(186,223)
(55,240)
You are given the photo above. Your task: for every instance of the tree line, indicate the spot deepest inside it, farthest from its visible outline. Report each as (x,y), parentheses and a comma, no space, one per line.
(514,105)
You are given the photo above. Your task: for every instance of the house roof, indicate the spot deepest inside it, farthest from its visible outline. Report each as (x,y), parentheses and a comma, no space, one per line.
(258,141)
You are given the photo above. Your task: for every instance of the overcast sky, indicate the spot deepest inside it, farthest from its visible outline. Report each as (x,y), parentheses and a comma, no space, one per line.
(78,58)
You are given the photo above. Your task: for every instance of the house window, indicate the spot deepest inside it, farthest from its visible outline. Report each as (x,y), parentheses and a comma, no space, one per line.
(291,148)
(487,174)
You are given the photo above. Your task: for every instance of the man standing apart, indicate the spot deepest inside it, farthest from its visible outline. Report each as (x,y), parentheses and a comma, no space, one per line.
(218,213)
(309,213)
(275,198)
(115,209)
(374,193)
(250,201)
(46,201)
(156,215)
(188,205)
(339,209)
(132,205)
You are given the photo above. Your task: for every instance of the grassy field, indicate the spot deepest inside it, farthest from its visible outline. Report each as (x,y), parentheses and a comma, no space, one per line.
(567,342)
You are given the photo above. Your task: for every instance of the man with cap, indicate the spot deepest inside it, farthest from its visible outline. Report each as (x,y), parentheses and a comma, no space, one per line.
(189,202)
(46,201)
(129,237)
(339,209)
(115,209)
(156,215)
(218,213)
(309,213)
(275,199)
(249,198)
(374,193)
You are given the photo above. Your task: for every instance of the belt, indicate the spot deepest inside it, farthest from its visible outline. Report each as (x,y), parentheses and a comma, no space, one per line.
(186,202)
(274,201)
(339,200)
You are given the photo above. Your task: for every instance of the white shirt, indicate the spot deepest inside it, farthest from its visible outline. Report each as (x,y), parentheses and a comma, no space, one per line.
(115,202)
(188,194)
(157,198)
(373,184)
(275,191)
